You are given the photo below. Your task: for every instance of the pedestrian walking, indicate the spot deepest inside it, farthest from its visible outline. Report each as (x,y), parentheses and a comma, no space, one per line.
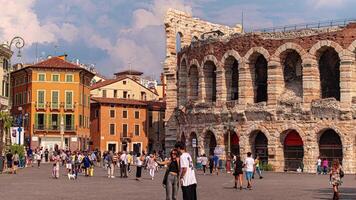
(318,166)
(86,164)
(171,177)
(249,166)
(38,158)
(129,161)
(216,164)
(238,172)
(187,175)
(151,166)
(9,161)
(16,160)
(336,174)
(325,166)
(204,162)
(139,162)
(123,165)
(110,164)
(257,168)
(55,169)
(29,157)
(46,153)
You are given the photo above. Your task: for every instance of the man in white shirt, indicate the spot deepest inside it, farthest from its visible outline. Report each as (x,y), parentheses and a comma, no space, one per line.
(249,165)
(187,174)
(123,165)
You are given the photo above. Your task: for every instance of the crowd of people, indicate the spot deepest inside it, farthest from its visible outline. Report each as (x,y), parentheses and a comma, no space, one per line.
(180,170)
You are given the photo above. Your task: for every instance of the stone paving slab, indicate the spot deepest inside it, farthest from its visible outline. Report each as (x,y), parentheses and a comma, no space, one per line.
(34,183)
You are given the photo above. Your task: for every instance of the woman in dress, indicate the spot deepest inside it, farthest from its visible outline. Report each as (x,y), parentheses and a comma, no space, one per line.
(335,178)
(238,173)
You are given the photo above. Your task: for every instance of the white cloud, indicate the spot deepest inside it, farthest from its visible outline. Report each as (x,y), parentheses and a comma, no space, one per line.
(18,18)
(317,4)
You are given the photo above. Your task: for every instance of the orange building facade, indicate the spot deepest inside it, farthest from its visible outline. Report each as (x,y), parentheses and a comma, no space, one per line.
(54,98)
(119,125)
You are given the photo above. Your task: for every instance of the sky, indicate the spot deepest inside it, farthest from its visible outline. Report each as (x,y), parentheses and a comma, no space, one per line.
(116,34)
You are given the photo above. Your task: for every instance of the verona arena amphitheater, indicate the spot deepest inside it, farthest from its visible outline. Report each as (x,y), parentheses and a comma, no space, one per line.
(288,96)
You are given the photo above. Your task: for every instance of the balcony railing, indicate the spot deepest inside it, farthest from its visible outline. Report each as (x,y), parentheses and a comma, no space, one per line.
(41,127)
(54,105)
(126,135)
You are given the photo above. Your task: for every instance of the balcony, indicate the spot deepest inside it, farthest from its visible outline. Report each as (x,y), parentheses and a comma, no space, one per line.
(54,128)
(40,106)
(55,106)
(126,136)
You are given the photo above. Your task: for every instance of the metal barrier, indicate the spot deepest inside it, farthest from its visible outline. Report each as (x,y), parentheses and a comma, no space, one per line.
(315,25)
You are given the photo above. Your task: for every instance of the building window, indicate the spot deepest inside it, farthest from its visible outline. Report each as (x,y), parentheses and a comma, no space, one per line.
(96,113)
(69,122)
(40,121)
(24,96)
(124,82)
(20,98)
(55,77)
(112,113)
(55,99)
(137,114)
(69,100)
(124,114)
(124,94)
(41,77)
(69,77)
(80,120)
(137,130)
(54,121)
(112,129)
(143,96)
(104,93)
(5,64)
(115,93)
(84,100)
(124,130)
(40,99)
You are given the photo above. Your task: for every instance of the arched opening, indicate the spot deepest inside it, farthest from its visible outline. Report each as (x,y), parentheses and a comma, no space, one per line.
(232,78)
(258,70)
(293,151)
(292,74)
(330,146)
(179,37)
(234,143)
(210,142)
(182,82)
(194,144)
(210,81)
(260,146)
(329,69)
(193,83)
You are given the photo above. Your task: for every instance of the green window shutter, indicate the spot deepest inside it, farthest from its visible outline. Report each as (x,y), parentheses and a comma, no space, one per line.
(72,125)
(44,121)
(65,121)
(36,120)
(50,121)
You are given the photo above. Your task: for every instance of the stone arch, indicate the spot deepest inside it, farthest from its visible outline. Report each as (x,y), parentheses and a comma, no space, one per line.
(182,77)
(331,144)
(232,53)
(211,58)
(293,149)
(325,43)
(210,141)
(258,73)
(194,62)
(293,126)
(352,47)
(231,76)
(179,41)
(193,82)
(209,83)
(289,46)
(319,128)
(259,50)
(259,143)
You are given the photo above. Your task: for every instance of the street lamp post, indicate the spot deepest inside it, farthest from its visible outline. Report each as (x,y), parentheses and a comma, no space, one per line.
(19,43)
(228,159)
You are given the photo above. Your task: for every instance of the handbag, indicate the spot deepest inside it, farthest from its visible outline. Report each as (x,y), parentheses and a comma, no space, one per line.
(342,174)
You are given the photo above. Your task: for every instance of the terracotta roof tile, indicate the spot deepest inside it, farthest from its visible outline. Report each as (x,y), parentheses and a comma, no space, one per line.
(56,62)
(119,101)
(105,83)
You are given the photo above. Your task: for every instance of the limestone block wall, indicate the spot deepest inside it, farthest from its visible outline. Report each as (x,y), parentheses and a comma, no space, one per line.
(309,115)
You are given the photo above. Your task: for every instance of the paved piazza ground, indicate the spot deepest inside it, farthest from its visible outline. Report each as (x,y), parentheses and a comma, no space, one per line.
(33,184)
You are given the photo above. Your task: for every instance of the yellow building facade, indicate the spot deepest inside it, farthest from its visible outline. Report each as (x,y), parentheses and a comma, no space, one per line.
(53,97)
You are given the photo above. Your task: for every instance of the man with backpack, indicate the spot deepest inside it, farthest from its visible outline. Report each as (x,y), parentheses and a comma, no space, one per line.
(110,164)
(123,165)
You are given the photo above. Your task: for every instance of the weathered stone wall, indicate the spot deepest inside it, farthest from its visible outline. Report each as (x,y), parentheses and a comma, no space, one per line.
(189,28)
(298,107)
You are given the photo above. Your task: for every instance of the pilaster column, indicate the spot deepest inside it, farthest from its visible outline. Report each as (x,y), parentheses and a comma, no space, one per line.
(220,85)
(311,82)
(246,86)
(274,82)
(346,83)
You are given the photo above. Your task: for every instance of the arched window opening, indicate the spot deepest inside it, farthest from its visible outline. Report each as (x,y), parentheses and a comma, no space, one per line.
(329,69)
(210,81)
(292,74)
(193,83)
(179,37)
(232,78)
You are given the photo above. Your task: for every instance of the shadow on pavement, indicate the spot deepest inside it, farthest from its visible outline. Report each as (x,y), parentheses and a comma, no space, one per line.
(326,193)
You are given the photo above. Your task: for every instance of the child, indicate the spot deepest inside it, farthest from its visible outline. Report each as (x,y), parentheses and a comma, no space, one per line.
(54,171)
